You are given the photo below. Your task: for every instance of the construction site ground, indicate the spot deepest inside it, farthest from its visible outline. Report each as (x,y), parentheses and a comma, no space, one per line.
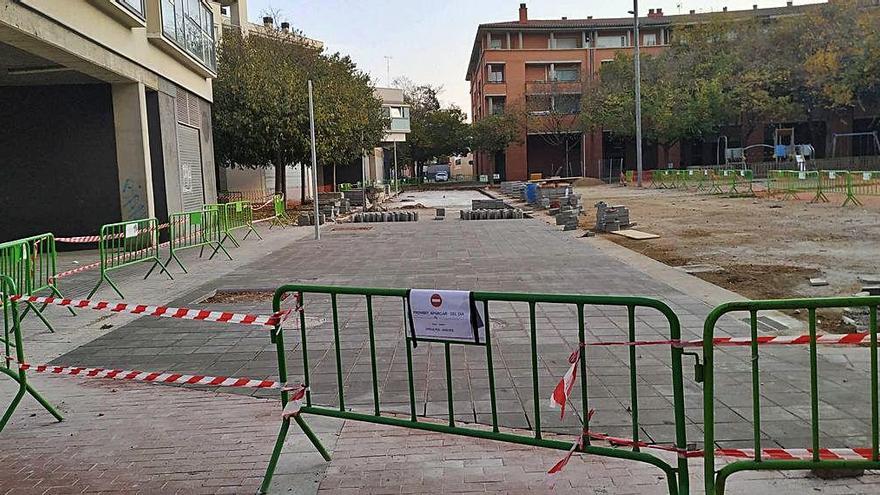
(765,247)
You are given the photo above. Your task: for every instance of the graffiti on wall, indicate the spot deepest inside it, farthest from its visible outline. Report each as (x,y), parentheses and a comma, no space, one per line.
(134,205)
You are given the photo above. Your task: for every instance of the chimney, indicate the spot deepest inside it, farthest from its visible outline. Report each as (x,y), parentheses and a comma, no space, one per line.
(268,22)
(655,13)
(789,3)
(285,27)
(693,11)
(755,7)
(523,13)
(564,18)
(724,9)
(650,12)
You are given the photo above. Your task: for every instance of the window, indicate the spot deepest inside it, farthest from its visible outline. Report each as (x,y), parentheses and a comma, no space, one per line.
(607,61)
(567,43)
(395,112)
(495,104)
(190,25)
(495,42)
(566,73)
(136,7)
(569,104)
(539,104)
(649,39)
(611,41)
(496,73)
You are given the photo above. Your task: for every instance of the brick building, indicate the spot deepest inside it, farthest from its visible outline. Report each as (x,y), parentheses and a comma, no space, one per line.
(542,66)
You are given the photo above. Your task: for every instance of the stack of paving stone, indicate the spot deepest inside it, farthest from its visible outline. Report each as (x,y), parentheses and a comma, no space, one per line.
(308,218)
(492,214)
(568,217)
(385,216)
(513,188)
(333,203)
(355,197)
(553,196)
(611,218)
(488,204)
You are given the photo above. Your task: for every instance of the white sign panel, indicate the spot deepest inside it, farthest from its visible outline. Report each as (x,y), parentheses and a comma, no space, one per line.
(131,230)
(445,315)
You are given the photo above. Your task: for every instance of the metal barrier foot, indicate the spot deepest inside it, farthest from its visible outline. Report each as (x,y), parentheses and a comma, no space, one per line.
(175,258)
(101,282)
(279,446)
(39,314)
(24,388)
(161,267)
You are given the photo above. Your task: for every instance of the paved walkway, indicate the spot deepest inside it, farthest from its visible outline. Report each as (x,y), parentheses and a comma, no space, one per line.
(514,255)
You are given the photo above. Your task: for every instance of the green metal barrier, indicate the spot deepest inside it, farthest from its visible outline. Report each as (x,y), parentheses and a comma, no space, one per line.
(677,477)
(234,216)
(125,244)
(715,482)
(281,219)
(12,329)
(195,229)
(31,264)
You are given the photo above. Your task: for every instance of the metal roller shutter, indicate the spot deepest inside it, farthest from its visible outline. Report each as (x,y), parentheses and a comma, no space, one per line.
(192,187)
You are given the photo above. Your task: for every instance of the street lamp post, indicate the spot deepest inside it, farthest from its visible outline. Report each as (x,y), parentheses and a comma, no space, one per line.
(638,83)
(314,162)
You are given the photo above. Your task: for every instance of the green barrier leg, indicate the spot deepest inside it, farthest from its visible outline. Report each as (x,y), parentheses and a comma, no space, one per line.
(105,277)
(58,294)
(39,315)
(162,268)
(277,221)
(279,445)
(219,248)
(229,236)
(24,387)
(820,194)
(252,229)
(850,194)
(175,258)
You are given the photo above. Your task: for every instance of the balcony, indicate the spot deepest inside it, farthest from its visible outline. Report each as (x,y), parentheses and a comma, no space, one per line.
(186,32)
(131,13)
(553,87)
(401,124)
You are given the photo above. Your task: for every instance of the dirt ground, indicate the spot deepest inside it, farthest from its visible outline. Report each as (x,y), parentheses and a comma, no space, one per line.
(766,248)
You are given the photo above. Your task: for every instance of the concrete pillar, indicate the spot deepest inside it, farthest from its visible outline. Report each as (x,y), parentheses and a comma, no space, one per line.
(238,13)
(133,151)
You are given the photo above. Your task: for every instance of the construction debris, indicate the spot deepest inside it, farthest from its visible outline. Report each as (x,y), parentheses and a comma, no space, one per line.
(386,216)
(488,204)
(611,218)
(635,234)
(818,282)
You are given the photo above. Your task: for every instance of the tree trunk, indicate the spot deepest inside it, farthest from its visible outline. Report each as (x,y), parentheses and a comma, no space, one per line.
(302,184)
(279,178)
(334,178)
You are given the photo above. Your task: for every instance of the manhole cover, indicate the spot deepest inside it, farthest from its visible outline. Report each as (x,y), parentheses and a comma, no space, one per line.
(359,227)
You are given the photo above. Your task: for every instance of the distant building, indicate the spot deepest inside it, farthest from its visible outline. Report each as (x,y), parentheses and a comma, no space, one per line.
(105,107)
(543,64)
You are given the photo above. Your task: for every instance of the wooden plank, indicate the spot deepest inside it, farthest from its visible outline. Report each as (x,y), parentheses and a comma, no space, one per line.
(635,234)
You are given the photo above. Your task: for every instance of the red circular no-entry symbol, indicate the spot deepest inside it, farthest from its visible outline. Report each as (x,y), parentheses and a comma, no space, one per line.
(436,300)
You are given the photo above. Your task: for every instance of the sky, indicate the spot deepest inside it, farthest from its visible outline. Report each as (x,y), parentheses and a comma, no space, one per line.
(430,41)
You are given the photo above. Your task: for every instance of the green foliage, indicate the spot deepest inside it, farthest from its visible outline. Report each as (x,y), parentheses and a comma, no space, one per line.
(436,132)
(494,133)
(260,110)
(743,71)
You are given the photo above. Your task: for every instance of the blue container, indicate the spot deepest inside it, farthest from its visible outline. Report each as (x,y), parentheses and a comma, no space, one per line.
(531,193)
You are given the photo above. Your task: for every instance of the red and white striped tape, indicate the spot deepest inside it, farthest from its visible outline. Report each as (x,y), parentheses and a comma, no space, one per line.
(87,239)
(80,269)
(161,311)
(823,339)
(152,376)
(798,454)
(267,203)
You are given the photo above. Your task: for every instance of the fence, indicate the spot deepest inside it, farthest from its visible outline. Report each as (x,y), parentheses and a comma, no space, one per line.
(195,229)
(125,244)
(31,264)
(234,216)
(279,205)
(712,181)
(715,484)
(12,329)
(790,184)
(407,416)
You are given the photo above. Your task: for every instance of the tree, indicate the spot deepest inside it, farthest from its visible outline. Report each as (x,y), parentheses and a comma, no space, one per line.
(436,132)
(494,133)
(261,114)
(552,114)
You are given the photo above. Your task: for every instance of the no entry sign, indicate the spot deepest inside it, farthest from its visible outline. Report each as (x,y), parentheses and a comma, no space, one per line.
(445,316)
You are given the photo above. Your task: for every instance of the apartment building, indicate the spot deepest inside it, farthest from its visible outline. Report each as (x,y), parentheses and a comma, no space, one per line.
(542,66)
(106,111)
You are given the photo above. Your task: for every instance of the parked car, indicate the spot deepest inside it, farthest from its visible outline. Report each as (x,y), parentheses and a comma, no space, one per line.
(441,176)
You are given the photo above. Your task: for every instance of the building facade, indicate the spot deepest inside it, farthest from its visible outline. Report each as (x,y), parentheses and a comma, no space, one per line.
(106,111)
(542,67)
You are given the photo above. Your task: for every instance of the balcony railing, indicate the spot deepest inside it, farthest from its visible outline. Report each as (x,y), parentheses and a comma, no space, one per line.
(192,31)
(136,7)
(400,125)
(553,87)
